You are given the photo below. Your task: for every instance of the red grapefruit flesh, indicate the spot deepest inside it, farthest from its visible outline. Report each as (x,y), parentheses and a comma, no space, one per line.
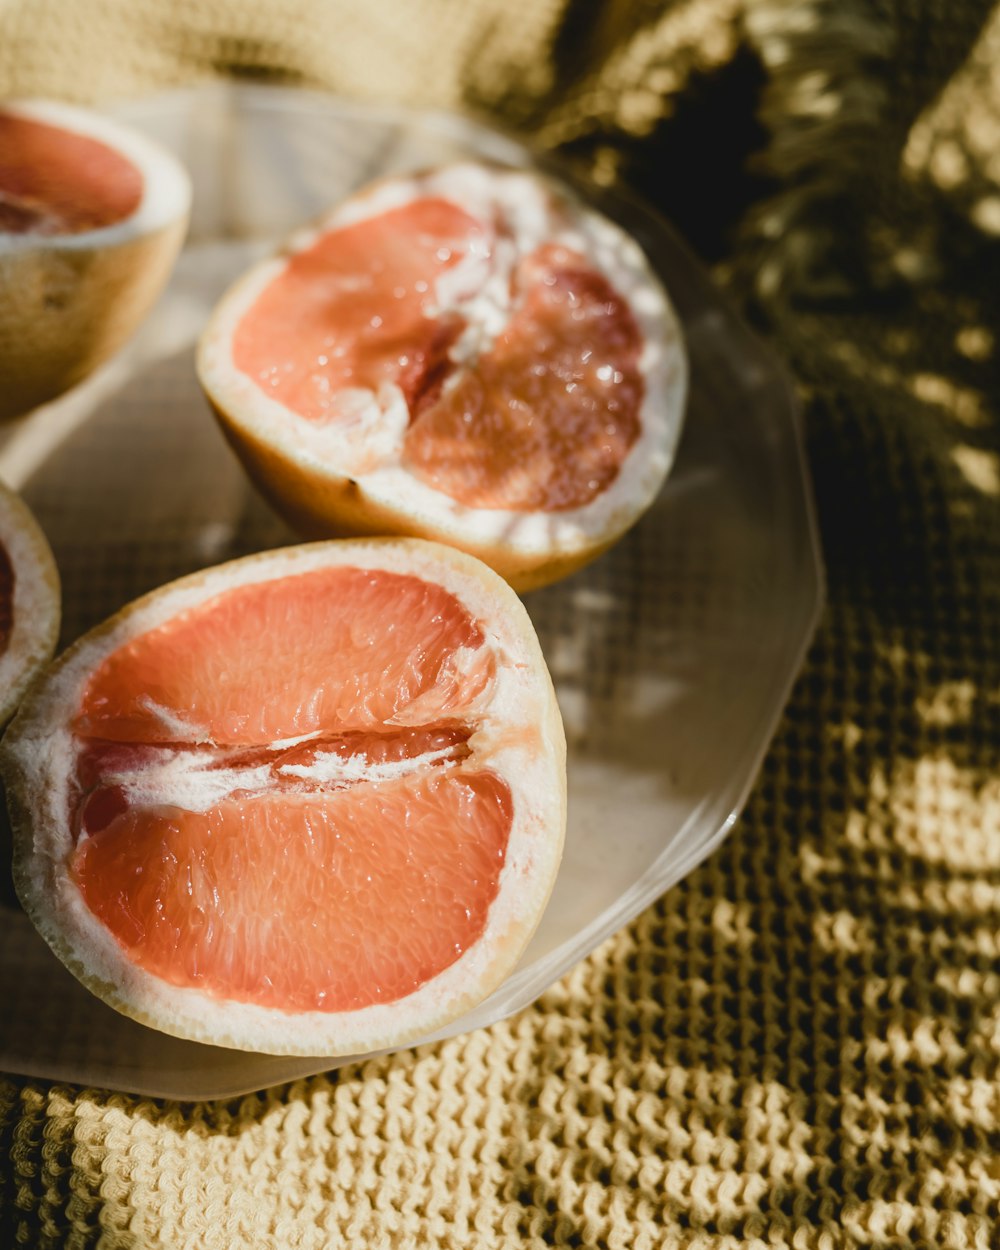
(311,802)
(191,898)
(216,676)
(55,181)
(356,310)
(92,215)
(469,355)
(29,601)
(546,420)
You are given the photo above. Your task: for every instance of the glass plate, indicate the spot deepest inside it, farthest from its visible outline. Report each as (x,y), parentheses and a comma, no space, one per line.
(672,655)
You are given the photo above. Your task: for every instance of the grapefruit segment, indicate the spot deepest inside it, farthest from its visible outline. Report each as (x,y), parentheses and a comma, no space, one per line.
(409,867)
(92,216)
(355,310)
(56,181)
(546,420)
(469,355)
(310,802)
(214,673)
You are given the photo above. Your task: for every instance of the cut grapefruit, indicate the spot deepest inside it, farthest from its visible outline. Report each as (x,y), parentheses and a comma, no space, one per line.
(468,355)
(309,802)
(29,601)
(92,216)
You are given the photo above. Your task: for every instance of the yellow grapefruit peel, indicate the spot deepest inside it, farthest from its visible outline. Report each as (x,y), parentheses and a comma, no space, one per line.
(69,298)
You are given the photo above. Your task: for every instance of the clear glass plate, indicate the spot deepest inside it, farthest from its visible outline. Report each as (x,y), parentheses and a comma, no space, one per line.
(672,655)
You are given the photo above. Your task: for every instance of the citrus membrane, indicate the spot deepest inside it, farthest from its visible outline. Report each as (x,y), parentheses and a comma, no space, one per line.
(469,354)
(309,802)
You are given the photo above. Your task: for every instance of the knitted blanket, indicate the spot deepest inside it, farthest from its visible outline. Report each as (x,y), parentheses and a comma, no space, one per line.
(798,1046)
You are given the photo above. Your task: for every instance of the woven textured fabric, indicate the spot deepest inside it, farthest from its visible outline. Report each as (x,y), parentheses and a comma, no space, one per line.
(799,1045)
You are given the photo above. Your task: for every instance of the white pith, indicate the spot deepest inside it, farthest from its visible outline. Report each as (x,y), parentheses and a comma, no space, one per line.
(35,601)
(166,188)
(365,443)
(517,735)
(188,780)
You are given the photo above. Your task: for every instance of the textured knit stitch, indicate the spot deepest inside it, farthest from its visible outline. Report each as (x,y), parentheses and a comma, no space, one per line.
(798,1046)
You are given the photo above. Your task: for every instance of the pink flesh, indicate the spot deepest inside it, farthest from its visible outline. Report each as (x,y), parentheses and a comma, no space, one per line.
(548,416)
(545,417)
(353,310)
(321,653)
(305,903)
(324,894)
(6,598)
(54,181)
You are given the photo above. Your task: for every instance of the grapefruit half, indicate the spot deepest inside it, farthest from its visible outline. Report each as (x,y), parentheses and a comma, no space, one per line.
(29,601)
(308,802)
(469,355)
(92,216)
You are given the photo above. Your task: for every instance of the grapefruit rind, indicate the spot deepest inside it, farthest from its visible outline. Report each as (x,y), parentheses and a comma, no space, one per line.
(36,602)
(519,733)
(69,301)
(325,480)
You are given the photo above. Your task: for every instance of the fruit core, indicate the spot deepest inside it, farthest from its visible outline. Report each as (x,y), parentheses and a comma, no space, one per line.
(276,798)
(6,598)
(536,415)
(56,182)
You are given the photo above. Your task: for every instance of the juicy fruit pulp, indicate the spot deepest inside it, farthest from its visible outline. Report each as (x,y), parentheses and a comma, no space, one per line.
(549,414)
(539,416)
(6,598)
(54,181)
(278,803)
(354,310)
